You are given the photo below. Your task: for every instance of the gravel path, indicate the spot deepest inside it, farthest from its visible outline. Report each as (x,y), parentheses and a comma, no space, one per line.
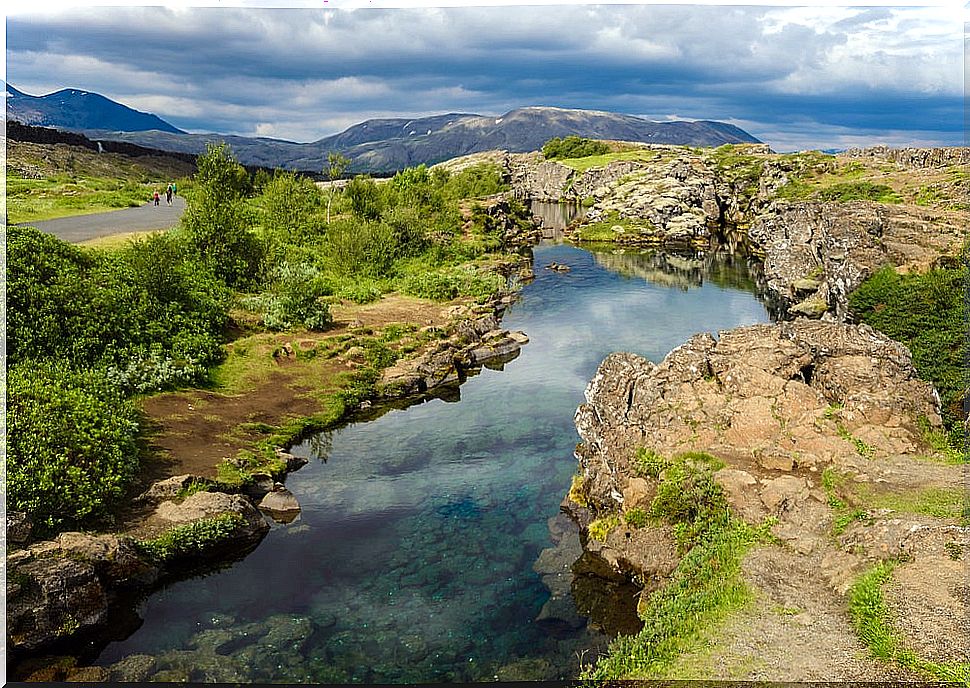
(83,227)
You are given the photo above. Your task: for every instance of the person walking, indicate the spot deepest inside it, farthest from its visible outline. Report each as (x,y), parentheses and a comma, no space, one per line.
(156,198)
(168,194)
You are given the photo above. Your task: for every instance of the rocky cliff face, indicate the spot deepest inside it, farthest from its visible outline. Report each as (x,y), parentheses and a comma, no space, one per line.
(918,158)
(810,420)
(815,252)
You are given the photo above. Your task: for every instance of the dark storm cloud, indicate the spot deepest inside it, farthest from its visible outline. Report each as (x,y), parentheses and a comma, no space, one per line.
(301,74)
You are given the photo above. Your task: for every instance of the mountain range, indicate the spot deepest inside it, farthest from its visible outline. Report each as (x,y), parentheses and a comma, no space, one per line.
(73,109)
(376,145)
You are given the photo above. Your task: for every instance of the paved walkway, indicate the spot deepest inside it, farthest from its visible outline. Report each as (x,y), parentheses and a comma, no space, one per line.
(79,228)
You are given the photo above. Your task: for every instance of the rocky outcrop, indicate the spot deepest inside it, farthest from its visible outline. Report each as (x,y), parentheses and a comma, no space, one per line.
(475,340)
(811,422)
(917,158)
(816,254)
(671,201)
(759,394)
(59,588)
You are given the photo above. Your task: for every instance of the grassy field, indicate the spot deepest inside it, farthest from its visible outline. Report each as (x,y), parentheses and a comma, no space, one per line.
(46,181)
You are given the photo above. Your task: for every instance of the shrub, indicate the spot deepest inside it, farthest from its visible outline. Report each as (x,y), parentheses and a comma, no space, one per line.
(928,314)
(89,308)
(688,497)
(290,205)
(648,463)
(450,283)
(359,248)
(474,182)
(573,147)
(216,222)
(365,199)
(296,299)
(71,447)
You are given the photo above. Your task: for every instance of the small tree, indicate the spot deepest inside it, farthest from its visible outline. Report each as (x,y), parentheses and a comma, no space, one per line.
(336,166)
(216,221)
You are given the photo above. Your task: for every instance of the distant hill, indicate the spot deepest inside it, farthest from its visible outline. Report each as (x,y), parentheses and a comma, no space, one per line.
(377,145)
(73,109)
(380,145)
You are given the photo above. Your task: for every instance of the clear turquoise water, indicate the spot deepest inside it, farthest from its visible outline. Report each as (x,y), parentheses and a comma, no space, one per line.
(412,560)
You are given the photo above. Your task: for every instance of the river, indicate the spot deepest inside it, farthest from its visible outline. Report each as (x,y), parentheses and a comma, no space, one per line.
(415,556)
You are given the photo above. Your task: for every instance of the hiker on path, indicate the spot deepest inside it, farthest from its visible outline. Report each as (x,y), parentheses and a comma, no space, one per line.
(156,197)
(168,194)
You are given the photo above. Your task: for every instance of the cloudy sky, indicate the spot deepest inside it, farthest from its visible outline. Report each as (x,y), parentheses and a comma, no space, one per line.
(795,77)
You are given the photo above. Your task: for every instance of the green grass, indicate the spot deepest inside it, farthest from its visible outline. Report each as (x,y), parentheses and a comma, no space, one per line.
(935,502)
(63,195)
(832,483)
(705,587)
(192,539)
(591,161)
(874,625)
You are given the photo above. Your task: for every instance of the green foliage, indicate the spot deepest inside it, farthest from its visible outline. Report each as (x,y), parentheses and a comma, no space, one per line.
(648,463)
(873,624)
(636,517)
(191,540)
(151,311)
(927,313)
(295,299)
(359,248)
(291,207)
(449,283)
(365,198)
(476,181)
(688,497)
(71,443)
(573,147)
(600,528)
(216,222)
(704,588)
(858,191)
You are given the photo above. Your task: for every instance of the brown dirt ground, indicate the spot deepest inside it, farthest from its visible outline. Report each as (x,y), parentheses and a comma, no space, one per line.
(192,431)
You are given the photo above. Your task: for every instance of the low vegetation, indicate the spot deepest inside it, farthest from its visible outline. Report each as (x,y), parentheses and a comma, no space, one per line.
(873,622)
(89,330)
(926,312)
(573,147)
(706,585)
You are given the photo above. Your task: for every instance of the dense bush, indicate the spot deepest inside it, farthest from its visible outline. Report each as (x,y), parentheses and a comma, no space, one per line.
(216,221)
(359,248)
(147,299)
(450,283)
(71,443)
(295,299)
(573,147)
(928,314)
(291,214)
